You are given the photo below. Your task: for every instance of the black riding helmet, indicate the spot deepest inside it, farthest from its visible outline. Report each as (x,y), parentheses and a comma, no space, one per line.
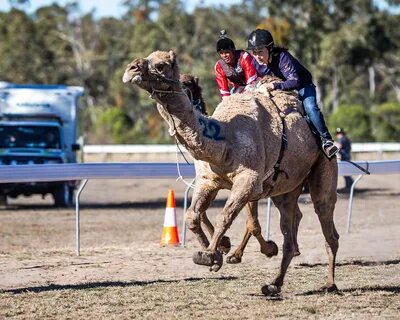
(224,43)
(260,38)
(340,130)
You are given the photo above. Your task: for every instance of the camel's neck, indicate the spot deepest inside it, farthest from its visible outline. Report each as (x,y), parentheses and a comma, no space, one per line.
(201,136)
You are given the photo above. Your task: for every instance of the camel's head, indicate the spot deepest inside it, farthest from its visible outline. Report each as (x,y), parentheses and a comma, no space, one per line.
(159,71)
(192,87)
(191,83)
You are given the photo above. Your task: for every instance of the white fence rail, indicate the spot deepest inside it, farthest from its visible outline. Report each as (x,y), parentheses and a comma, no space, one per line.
(161,148)
(81,171)
(85,171)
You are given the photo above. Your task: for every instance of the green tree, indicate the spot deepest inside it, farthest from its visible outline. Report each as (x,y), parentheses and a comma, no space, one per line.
(386,122)
(20,52)
(355,120)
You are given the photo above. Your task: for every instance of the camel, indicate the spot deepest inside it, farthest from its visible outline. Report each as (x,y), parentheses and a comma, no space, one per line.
(194,91)
(192,88)
(252,146)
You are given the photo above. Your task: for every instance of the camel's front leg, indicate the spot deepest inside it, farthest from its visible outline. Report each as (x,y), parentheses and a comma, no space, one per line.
(204,193)
(269,248)
(225,244)
(243,188)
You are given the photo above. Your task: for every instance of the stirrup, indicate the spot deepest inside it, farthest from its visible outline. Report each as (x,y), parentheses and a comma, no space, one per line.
(329,149)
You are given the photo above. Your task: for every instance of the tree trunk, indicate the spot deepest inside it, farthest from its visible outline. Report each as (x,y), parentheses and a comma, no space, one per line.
(335,90)
(396,88)
(372,86)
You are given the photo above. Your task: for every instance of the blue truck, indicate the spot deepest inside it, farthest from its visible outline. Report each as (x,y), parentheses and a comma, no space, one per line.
(38,125)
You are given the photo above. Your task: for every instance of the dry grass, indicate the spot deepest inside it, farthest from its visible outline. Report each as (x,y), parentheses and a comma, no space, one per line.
(367,291)
(123,274)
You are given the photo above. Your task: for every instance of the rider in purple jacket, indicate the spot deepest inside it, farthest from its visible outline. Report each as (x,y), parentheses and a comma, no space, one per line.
(279,62)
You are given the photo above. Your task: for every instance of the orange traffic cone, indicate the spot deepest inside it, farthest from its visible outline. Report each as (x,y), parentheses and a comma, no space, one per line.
(170,230)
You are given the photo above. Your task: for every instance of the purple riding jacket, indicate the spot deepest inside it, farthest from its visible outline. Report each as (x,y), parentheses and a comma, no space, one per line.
(283,65)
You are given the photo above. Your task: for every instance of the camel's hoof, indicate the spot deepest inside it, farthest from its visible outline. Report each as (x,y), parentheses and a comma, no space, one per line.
(211,259)
(271,290)
(270,250)
(233,259)
(217,263)
(225,245)
(330,289)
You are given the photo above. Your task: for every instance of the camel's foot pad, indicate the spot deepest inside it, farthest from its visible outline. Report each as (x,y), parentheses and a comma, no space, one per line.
(213,260)
(271,290)
(225,245)
(330,289)
(270,249)
(233,259)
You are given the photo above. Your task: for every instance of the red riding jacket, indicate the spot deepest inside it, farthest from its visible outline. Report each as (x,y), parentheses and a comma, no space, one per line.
(241,74)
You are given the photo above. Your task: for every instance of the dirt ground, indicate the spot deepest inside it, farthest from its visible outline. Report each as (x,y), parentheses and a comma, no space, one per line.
(123,273)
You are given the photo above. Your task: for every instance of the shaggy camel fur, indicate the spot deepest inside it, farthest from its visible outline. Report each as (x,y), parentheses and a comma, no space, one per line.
(250,147)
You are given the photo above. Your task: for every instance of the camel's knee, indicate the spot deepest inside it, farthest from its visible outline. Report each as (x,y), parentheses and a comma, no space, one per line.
(324,209)
(192,219)
(253,229)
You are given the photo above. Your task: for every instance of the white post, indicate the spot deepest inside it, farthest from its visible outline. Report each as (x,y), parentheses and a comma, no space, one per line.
(351,202)
(268,222)
(184,212)
(77,216)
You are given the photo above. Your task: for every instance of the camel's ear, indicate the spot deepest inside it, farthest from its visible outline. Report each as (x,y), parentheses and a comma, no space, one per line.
(172,56)
(196,79)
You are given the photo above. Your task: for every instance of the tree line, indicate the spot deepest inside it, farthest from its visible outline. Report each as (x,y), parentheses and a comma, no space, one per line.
(352,47)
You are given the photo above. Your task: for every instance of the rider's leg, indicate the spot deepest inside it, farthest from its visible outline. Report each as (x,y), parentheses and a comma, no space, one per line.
(308,96)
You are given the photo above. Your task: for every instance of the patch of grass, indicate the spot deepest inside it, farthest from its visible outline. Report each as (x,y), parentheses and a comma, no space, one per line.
(310,310)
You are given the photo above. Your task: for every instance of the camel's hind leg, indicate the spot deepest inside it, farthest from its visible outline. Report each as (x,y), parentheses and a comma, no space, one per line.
(323,183)
(287,205)
(269,248)
(204,193)
(297,219)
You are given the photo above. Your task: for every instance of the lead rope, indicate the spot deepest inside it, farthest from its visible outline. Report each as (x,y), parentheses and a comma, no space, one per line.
(173,133)
(180,177)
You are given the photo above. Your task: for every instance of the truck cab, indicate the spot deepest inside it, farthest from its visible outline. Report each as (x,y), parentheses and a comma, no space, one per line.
(38,125)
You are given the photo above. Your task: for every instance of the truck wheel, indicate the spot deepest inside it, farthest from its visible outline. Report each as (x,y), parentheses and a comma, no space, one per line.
(62,196)
(71,198)
(3,200)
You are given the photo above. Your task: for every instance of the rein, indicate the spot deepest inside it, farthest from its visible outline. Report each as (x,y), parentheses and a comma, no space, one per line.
(158,74)
(284,141)
(153,91)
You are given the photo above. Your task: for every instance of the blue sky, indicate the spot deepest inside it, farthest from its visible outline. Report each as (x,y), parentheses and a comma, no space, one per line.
(108,7)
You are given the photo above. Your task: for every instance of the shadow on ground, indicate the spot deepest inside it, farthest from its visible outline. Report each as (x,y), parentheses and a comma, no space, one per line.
(351,263)
(106,284)
(390,289)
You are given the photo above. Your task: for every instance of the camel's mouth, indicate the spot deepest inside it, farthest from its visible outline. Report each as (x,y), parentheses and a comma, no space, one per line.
(134,71)
(129,77)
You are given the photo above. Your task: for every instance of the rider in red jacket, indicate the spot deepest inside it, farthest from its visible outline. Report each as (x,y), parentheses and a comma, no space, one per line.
(235,70)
